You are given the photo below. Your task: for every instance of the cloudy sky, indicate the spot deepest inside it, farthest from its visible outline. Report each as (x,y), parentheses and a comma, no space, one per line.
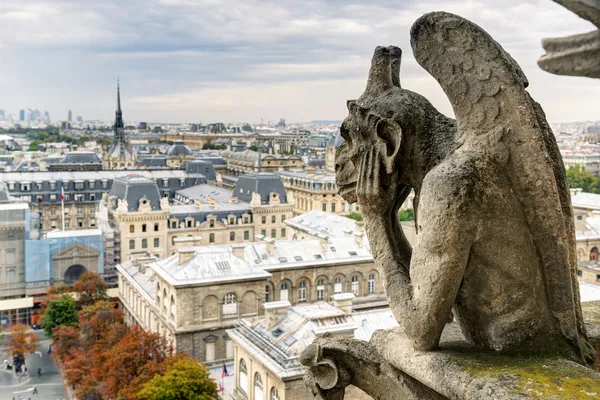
(247,60)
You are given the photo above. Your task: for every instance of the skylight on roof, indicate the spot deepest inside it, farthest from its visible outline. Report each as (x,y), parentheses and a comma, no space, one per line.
(277,332)
(283,259)
(298,258)
(318,257)
(353,253)
(332,248)
(290,341)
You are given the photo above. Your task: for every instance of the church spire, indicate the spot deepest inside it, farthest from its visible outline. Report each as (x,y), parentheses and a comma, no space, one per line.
(118,97)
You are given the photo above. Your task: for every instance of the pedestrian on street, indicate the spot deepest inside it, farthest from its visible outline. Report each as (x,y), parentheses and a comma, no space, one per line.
(39,371)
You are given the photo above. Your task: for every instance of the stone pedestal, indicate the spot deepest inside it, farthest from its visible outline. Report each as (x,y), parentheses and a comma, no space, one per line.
(388,367)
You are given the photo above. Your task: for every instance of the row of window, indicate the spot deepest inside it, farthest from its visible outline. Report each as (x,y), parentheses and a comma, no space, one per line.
(320,289)
(79,185)
(258,383)
(68,197)
(144,228)
(53,211)
(306,205)
(580,273)
(189,222)
(144,243)
(274,233)
(273,219)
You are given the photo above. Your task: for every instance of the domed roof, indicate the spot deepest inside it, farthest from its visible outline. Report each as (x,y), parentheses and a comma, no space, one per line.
(179,149)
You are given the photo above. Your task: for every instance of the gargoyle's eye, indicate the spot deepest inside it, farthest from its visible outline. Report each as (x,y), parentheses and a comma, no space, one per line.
(342,137)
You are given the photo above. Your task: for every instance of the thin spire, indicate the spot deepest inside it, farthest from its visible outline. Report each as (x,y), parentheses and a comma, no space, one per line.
(118,96)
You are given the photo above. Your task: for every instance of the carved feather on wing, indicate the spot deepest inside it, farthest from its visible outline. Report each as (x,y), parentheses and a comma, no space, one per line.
(486,88)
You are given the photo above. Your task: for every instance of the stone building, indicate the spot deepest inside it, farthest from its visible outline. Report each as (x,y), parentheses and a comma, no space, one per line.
(149,226)
(209,288)
(178,154)
(83,191)
(267,347)
(251,161)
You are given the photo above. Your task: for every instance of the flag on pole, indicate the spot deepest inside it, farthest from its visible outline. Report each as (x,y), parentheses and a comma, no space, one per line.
(224,373)
(62,192)
(221,388)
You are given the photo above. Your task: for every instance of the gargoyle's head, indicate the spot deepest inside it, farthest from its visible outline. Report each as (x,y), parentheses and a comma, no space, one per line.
(362,129)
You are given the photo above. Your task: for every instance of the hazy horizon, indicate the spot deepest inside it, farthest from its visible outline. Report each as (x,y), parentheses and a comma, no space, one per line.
(190,61)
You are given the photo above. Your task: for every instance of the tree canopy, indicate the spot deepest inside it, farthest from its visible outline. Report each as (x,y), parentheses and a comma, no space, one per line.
(355,216)
(60,312)
(184,379)
(22,340)
(580,178)
(91,288)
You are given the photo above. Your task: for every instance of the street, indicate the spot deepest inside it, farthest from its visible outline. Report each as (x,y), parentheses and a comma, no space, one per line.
(49,385)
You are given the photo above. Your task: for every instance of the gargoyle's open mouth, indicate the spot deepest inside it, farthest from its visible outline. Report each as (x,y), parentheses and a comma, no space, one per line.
(577,55)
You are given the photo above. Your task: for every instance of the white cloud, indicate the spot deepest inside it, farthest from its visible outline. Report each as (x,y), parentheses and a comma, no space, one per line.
(245,59)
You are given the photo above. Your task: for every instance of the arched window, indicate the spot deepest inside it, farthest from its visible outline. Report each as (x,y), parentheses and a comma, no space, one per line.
(131,229)
(158,294)
(284,292)
(302,291)
(283,233)
(258,386)
(243,376)
(594,254)
(267,294)
(355,285)
(211,238)
(371,283)
(273,233)
(274,394)
(273,219)
(230,304)
(231,236)
(337,287)
(320,289)
(132,244)
(165,300)
(283,218)
(144,243)
(172,307)
(173,240)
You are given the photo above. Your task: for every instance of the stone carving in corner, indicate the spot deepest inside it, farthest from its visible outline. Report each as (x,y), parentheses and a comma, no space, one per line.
(122,206)
(577,55)
(496,232)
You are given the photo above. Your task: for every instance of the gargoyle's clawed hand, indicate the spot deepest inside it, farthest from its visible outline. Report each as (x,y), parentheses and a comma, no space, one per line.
(375,188)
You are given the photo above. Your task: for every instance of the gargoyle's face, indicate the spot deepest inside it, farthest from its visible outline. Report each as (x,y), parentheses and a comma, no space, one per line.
(357,140)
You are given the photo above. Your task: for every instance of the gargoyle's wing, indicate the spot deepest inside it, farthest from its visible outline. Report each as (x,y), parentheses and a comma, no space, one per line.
(493,110)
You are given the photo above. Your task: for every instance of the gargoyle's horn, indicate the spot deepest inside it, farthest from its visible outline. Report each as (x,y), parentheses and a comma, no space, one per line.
(396,57)
(380,75)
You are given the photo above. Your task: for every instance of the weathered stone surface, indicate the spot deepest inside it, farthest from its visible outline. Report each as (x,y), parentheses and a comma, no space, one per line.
(497,237)
(458,371)
(577,55)
(496,229)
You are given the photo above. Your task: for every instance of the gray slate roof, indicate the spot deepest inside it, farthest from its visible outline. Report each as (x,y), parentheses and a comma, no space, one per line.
(81,157)
(134,189)
(179,149)
(262,183)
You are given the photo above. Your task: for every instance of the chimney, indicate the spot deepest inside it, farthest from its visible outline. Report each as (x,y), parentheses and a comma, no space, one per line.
(274,311)
(198,204)
(238,250)
(270,247)
(359,233)
(186,255)
(343,301)
(324,242)
(580,220)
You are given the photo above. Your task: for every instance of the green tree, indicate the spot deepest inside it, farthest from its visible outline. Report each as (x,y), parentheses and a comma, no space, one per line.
(580,178)
(355,216)
(185,379)
(60,312)
(253,148)
(406,215)
(35,145)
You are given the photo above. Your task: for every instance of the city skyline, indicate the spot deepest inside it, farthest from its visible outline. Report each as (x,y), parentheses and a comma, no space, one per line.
(245,61)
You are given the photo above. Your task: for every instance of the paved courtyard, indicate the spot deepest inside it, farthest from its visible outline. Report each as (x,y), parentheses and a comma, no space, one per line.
(49,385)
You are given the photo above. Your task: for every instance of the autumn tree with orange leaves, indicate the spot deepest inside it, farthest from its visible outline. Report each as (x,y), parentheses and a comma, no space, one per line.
(91,288)
(22,340)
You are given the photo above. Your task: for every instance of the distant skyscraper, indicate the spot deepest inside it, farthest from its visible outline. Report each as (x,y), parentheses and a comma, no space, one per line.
(36,114)
(21,115)
(46,116)
(1,115)
(29,116)
(79,118)
(70,116)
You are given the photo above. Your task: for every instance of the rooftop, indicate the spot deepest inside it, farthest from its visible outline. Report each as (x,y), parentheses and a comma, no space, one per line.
(317,222)
(589,201)
(278,347)
(207,265)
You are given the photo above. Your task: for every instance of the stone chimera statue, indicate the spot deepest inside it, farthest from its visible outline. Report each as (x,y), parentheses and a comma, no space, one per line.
(496,232)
